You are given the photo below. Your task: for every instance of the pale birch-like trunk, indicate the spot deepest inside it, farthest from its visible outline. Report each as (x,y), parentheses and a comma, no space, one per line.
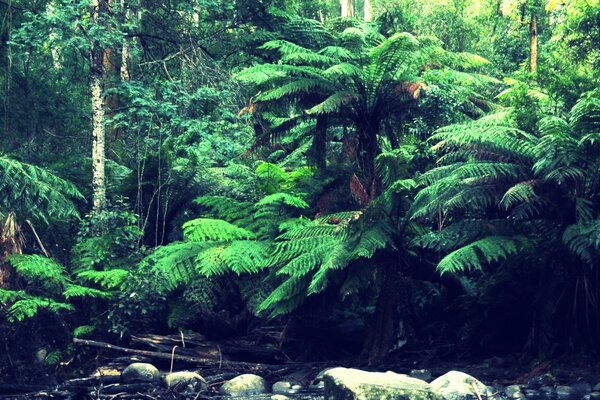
(347,8)
(533,44)
(368,11)
(125,49)
(98,116)
(98,144)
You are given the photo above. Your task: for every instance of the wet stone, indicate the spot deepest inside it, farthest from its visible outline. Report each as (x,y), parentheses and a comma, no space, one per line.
(514,392)
(581,389)
(532,394)
(185,382)
(244,385)
(140,372)
(565,393)
(595,395)
(285,387)
(541,381)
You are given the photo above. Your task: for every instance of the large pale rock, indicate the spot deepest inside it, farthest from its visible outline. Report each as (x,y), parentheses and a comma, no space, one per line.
(185,382)
(354,384)
(244,385)
(140,372)
(456,385)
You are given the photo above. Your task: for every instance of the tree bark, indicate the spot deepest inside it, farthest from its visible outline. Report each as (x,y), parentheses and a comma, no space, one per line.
(368,11)
(347,8)
(97,77)
(533,43)
(368,149)
(319,144)
(380,333)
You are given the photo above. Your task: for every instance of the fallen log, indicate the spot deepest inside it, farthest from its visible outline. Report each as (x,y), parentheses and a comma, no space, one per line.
(198,361)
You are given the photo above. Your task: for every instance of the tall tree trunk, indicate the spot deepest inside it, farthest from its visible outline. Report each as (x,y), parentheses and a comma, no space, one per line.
(124,71)
(380,333)
(319,144)
(97,77)
(533,43)
(368,149)
(11,242)
(368,11)
(347,8)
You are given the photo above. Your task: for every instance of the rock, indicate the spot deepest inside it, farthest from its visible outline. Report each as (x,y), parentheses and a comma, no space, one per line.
(317,383)
(244,385)
(548,392)
(284,387)
(565,393)
(354,384)
(456,385)
(542,380)
(532,394)
(279,397)
(422,374)
(185,382)
(140,372)
(581,389)
(514,392)
(595,395)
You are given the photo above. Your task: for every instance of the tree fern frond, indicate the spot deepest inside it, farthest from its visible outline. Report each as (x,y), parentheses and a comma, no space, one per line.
(208,229)
(278,199)
(108,279)
(486,250)
(35,267)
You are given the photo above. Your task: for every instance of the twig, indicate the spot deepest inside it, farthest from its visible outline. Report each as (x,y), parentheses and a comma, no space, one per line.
(474,385)
(171,369)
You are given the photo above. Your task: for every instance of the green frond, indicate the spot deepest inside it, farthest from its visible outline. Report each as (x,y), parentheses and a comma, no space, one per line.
(278,199)
(82,291)
(173,264)
(333,103)
(239,257)
(38,193)
(108,279)
(208,229)
(483,251)
(27,306)
(522,192)
(224,207)
(83,330)
(583,240)
(39,268)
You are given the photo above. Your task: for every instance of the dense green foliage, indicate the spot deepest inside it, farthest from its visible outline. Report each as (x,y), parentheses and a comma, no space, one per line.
(272,161)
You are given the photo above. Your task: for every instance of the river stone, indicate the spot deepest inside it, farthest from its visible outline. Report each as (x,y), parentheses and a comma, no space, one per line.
(140,372)
(354,384)
(285,387)
(456,385)
(185,382)
(532,394)
(565,393)
(581,389)
(514,392)
(541,381)
(279,397)
(595,395)
(244,385)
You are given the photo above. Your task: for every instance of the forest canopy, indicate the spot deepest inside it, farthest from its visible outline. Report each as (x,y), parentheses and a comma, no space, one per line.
(425,169)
